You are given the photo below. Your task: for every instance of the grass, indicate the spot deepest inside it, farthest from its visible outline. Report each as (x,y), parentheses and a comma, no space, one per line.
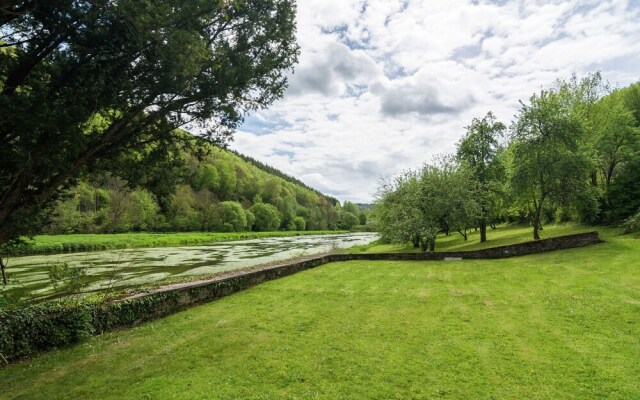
(560,325)
(51,244)
(502,235)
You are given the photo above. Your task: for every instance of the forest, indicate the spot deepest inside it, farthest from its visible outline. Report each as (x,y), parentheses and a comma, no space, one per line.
(571,154)
(219,191)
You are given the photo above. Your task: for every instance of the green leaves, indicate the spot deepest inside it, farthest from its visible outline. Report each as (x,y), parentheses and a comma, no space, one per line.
(548,163)
(415,206)
(84,82)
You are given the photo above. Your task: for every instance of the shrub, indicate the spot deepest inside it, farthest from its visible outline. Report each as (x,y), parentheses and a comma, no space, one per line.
(230,217)
(58,324)
(632,225)
(67,280)
(267,217)
(300,223)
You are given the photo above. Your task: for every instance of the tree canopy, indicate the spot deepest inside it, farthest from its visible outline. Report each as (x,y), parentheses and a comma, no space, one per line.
(86,83)
(479,150)
(572,153)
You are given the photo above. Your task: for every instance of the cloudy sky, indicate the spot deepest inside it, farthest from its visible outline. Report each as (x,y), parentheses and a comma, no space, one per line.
(384,85)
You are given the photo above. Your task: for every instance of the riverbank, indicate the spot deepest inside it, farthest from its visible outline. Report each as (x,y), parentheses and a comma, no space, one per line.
(132,269)
(389,329)
(72,243)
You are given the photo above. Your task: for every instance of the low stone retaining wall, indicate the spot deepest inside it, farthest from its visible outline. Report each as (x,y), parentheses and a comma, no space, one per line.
(513,250)
(42,327)
(199,292)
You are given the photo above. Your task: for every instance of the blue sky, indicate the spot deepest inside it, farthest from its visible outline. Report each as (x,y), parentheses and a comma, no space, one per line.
(386,85)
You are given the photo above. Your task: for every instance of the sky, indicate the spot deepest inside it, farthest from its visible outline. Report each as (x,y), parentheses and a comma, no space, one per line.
(385,85)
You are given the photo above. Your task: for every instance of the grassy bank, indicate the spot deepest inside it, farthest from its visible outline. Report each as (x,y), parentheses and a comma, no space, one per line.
(52,244)
(502,235)
(554,325)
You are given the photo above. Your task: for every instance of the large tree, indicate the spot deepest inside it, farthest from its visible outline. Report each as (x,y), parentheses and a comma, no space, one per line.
(415,206)
(479,151)
(398,212)
(84,81)
(547,161)
(615,141)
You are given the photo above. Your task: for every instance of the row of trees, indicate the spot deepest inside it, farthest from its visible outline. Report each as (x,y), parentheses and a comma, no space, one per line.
(572,153)
(216,192)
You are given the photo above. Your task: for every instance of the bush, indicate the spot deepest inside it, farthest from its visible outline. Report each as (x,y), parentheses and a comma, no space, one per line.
(67,280)
(230,217)
(632,225)
(300,223)
(267,217)
(58,324)
(251,219)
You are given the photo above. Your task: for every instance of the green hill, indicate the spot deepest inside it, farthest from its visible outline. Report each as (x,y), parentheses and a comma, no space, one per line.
(219,190)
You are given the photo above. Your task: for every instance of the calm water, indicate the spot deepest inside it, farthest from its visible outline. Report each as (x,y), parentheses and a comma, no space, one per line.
(134,267)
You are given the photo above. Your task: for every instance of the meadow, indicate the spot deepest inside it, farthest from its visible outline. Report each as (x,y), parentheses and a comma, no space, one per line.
(51,244)
(556,325)
(504,234)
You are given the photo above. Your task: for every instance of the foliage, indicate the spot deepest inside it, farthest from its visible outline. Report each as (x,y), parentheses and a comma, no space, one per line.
(266,216)
(632,225)
(276,172)
(547,164)
(229,217)
(417,205)
(67,280)
(102,86)
(300,223)
(104,203)
(625,191)
(346,220)
(56,324)
(573,155)
(479,150)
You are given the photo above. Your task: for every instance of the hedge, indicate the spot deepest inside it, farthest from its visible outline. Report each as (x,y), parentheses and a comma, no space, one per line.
(51,325)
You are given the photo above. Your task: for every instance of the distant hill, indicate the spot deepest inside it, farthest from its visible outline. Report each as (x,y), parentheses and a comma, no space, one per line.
(273,171)
(219,190)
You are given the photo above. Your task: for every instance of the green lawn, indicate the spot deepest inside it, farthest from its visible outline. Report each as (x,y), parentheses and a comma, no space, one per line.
(561,325)
(502,235)
(48,244)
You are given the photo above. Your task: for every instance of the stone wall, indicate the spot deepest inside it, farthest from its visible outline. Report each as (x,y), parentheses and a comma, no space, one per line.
(513,250)
(200,292)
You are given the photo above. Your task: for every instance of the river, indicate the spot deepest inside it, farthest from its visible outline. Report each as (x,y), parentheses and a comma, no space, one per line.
(128,268)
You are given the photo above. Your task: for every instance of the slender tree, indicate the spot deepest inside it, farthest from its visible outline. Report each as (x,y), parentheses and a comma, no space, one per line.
(478,151)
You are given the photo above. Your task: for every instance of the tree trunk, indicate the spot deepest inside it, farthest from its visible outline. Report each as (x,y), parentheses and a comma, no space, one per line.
(416,241)
(483,231)
(4,272)
(463,233)
(594,179)
(445,227)
(423,245)
(432,245)
(536,222)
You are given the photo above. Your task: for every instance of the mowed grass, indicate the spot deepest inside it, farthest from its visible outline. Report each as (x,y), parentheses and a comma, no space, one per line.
(49,244)
(560,325)
(502,235)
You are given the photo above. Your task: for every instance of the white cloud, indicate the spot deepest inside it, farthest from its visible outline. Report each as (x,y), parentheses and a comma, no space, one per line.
(383,85)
